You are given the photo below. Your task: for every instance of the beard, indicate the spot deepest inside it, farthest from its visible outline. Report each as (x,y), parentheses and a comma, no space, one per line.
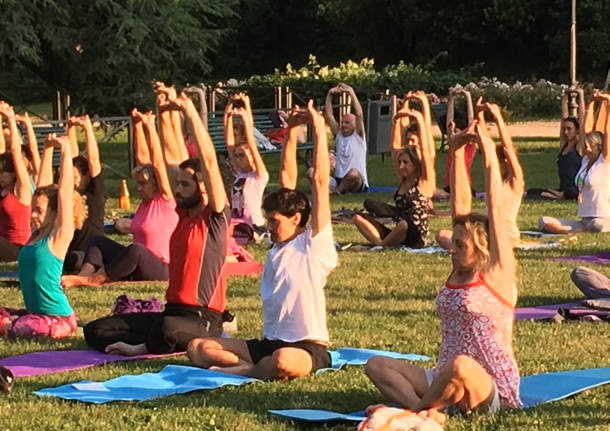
(189,201)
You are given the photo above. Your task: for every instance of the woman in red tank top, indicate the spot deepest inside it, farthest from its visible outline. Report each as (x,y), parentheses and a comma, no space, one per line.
(476,369)
(15,192)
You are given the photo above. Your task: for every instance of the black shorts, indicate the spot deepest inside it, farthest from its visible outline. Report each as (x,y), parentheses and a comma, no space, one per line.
(258,349)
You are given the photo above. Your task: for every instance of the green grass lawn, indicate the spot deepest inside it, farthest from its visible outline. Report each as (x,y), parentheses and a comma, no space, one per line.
(382,300)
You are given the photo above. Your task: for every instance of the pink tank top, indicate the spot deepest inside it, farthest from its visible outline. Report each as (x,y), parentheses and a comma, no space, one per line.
(14,219)
(476,322)
(153,224)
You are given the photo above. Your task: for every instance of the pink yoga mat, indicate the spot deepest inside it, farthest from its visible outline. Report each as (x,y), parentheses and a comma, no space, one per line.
(57,361)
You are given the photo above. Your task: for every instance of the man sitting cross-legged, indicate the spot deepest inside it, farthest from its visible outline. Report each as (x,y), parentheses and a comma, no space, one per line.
(295,335)
(196,294)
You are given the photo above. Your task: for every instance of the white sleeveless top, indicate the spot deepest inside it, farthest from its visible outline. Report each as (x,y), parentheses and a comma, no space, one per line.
(350,153)
(594,187)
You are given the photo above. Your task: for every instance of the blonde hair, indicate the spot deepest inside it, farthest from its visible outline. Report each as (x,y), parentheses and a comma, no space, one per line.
(595,138)
(477,225)
(81,211)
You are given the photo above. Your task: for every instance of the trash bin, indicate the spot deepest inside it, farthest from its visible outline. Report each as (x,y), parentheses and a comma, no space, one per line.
(379,117)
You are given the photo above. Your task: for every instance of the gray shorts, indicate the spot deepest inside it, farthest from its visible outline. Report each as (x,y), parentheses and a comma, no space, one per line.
(453,409)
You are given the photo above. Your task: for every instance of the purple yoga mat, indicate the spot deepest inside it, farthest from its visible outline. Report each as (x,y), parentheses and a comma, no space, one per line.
(547,311)
(56,361)
(600,259)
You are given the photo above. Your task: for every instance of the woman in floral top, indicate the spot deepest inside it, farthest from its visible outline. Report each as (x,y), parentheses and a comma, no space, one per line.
(413,163)
(476,368)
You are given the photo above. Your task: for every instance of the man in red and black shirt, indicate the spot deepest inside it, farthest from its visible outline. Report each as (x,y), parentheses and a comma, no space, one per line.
(196,294)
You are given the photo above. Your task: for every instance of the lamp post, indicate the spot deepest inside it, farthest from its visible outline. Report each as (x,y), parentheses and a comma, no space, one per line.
(573,103)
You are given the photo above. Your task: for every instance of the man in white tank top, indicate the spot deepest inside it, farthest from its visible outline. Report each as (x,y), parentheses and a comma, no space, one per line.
(350,144)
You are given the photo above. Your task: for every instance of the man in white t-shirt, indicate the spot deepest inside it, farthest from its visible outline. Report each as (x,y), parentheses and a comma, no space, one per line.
(295,335)
(350,144)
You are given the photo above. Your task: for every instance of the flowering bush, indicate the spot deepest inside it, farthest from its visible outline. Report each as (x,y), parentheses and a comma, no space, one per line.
(536,99)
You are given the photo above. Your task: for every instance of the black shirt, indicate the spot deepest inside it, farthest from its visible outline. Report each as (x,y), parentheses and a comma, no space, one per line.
(94,224)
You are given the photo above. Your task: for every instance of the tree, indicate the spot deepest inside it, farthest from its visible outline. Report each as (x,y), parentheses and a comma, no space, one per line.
(105,53)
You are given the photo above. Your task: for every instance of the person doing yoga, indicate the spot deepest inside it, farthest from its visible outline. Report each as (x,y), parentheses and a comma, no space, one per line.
(476,368)
(251,174)
(151,227)
(295,335)
(591,179)
(512,180)
(196,294)
(56,212)
(414,166)
(569,158)
(15,192)
(89,182)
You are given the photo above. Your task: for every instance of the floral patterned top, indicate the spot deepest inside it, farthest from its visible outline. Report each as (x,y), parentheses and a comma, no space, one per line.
(476,322)
(412,207)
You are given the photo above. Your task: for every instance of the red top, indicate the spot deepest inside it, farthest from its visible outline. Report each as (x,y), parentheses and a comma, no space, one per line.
(198,248)
(14,219)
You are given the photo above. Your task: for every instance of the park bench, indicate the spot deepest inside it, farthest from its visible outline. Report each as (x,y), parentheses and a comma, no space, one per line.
(261,121)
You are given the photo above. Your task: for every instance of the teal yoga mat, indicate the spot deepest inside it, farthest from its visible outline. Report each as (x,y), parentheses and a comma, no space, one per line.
(175,379)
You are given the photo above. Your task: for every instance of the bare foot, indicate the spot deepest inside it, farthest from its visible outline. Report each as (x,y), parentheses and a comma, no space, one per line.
(240,370)
(96,279)
(121,348)
(371,409)
(433,414)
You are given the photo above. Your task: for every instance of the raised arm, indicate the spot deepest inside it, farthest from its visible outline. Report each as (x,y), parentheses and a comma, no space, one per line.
(2,140)
(328,110)
(63,231)
(45,174)
(139,139)
(502,260)
(72,135)
(228,129)
(397,137)
(288,163)
(23,188)
(32,141)
(217,197)
(248,120)
(461,195)
(174,150)
(427,182)
(156,153)
(516,171)
(357,108)
(320,210)
(93,151)
(606,146)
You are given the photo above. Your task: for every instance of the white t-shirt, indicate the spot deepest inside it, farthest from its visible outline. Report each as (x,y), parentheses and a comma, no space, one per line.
(247,197)
(594,187)
(292,288)
(350,152)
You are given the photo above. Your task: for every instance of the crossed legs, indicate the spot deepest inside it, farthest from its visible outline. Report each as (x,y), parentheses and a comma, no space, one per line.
(462,381)
(232,356)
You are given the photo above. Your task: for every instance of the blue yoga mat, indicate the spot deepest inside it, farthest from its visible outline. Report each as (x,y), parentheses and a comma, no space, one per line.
(173,379)
(179,379)
(534,390)
(377,189)
(353,356)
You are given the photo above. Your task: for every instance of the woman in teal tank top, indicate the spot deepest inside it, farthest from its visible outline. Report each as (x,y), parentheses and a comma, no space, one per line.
(56,211)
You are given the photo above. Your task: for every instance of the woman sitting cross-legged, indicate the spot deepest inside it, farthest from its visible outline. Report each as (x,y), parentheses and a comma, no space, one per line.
(56,211)
(152,225)
(591,180)
(414,166)
(476,369)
